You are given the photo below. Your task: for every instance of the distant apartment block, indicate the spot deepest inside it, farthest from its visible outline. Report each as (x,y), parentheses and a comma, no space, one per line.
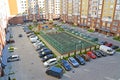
(100,15)
(32,10)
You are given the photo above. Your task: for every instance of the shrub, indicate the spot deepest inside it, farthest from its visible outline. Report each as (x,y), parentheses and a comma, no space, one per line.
(117,38)
(118,50)
(11,48)
(90,30)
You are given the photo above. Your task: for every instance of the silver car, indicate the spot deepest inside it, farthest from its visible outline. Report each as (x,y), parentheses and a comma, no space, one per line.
(13,58)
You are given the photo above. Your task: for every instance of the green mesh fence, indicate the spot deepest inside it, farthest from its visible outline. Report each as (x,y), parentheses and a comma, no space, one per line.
(65,43)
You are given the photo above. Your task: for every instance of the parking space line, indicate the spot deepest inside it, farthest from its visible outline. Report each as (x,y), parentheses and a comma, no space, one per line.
(67,75)
(108,78)
(86,70)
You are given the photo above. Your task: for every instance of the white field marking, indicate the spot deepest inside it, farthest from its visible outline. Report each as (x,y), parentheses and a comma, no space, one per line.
(108,78)
(67,75)
(86,70)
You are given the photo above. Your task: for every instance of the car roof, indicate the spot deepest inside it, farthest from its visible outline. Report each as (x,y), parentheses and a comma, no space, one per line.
(55,69)
(52,59)
(71,58)
(14,56)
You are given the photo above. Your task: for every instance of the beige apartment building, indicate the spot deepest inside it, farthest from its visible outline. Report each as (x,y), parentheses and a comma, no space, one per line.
(32,10)
(99,15)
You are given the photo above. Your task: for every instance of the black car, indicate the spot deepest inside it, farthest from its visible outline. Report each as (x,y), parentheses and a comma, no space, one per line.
(114,47)
(98,54)
(44,53)
(47,57)
(39,47)
(102,53)
(65,64)
(20,35)
(86,57)
(80,59)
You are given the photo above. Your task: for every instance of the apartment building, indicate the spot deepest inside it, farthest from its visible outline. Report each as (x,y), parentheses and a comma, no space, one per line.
(100,15)
(63,10)
(31,10)
(3,26)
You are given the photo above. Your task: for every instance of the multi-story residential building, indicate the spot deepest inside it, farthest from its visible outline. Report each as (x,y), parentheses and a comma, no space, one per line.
(3,26)
(116,19)
(63,10)
(56,14)
(76,11)
(69,11)
(33,10)
(100,15)
(84,12)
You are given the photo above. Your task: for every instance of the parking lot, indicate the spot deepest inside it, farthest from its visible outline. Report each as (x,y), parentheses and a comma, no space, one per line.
(30,67)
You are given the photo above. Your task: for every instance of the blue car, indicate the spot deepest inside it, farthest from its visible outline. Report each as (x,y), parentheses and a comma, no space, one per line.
(73,61)
(65,64)
(80,59)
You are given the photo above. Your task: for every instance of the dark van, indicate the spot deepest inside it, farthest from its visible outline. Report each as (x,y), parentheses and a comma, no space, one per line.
(55,71)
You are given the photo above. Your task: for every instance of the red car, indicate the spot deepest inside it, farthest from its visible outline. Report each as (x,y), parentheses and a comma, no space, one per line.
(91,54)
(109,44)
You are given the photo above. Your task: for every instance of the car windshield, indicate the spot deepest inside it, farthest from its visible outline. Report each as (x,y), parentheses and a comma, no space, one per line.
(110,50)
(73,61)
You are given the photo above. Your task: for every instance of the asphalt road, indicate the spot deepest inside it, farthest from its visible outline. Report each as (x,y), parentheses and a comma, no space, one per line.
(30,66)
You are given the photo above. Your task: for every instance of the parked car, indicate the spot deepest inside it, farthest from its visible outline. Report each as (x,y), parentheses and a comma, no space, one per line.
(20,35)
(107,49)
(109,44)
(44,48)
(37,43)
(30,34)
(39,47)
(11,40)
(65,64)
(13,58)
(103,42)
(45,52)
(50,62)
(80,59)
(91,55)
(33,38)
(55,71)
(86,57)
(97,53)
(102,53)
(114,47)
(73,61)
(47,57)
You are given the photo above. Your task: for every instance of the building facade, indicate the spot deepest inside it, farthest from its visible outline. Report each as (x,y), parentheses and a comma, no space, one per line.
(33,10)
(3,26)
(99,15)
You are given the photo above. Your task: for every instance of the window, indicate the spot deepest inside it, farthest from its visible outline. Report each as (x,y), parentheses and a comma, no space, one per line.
(115,23)
(118,1)
(108,24)
(103,24)
(114,28)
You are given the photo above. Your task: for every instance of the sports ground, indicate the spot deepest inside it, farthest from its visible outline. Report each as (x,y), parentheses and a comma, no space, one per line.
(64,42)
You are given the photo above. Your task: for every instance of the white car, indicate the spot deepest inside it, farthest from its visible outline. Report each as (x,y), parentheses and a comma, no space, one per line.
(50,62)
(36,44)
(33,38)
(13,58)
